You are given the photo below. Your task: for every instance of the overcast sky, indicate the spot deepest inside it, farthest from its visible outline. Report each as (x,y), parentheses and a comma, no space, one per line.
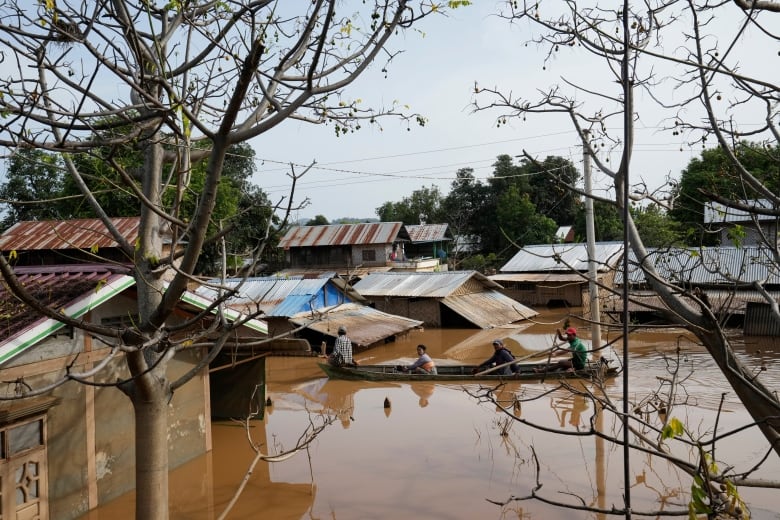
(435,76)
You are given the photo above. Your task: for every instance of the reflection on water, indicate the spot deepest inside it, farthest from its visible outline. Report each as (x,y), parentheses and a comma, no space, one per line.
(436,452)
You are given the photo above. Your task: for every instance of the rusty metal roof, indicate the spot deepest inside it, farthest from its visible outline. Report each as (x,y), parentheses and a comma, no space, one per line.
(365,325)
(66,234)
(53,286)
(344,235)
(422,285)
(428,233)
(488,309)
(563,257)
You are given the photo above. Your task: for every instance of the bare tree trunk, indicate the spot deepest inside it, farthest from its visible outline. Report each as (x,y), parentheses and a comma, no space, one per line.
(151,453)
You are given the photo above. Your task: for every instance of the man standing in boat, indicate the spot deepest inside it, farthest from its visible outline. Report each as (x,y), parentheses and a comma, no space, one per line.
(342,350)
(424,363)
(501,356)
(579,353)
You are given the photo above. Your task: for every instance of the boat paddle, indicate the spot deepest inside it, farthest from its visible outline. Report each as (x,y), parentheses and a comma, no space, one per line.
(502,365)
(549,358)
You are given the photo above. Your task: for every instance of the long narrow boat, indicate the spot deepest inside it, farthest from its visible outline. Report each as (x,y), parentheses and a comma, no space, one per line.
(462,373)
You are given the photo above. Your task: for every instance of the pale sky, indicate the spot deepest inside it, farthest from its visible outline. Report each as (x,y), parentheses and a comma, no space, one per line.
(357,173)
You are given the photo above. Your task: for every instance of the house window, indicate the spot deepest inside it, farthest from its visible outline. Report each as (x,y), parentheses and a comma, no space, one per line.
(369,255)
(23,470)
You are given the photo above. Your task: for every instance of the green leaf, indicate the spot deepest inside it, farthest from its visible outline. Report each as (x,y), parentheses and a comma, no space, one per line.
(673,429)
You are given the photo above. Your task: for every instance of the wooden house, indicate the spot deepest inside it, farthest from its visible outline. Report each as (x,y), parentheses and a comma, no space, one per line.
(350,250)
(556,274)
(445,299)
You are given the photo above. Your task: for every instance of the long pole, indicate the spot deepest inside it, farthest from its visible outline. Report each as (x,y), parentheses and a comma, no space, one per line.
(628,143)
(590,235)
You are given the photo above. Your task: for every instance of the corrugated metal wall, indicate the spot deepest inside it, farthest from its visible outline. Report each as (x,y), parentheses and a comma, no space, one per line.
(759,320)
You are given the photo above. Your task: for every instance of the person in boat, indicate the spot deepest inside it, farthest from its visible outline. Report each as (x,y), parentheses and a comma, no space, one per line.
(424,363)
(501,356)
(579,353)
(342,350)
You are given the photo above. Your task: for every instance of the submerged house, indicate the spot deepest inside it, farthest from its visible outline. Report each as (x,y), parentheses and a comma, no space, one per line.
(557,274)
(446,299)
(72,448)
(303,312)
(722,277)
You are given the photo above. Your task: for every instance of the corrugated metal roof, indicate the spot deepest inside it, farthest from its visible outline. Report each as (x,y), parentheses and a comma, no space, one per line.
(715,212)
(428,233)
(538,277)
(563,257)
(66,234)
(710,265)
(343,235)
(262,293)
(282,296)
(365,325)
(427,285)
(488,309)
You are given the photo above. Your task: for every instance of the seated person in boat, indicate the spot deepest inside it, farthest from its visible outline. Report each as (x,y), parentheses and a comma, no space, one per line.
(424,363)
(342,350)
(579,354)
(501,356)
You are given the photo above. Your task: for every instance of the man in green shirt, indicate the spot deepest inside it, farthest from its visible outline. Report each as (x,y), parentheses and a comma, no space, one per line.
(579,353)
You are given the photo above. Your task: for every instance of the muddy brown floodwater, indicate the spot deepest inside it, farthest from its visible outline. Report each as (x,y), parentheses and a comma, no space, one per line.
(438,453)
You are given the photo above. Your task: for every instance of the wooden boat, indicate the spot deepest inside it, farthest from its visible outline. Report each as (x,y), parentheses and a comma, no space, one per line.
(462,373)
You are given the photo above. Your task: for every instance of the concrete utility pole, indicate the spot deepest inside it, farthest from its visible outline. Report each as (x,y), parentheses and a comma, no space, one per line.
(590,235)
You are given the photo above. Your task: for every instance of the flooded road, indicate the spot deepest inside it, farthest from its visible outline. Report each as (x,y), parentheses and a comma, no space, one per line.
(439,453)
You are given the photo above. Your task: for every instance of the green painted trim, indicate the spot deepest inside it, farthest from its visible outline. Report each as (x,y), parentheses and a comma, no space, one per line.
(49,326)
(203,303)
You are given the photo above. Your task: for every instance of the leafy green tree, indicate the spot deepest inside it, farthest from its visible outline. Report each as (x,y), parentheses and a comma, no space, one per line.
(423,205)
(506,173)
(520,223)
(318,220)
(464,206)
(549,188)
(32,187)
(607,223)
(656,227)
